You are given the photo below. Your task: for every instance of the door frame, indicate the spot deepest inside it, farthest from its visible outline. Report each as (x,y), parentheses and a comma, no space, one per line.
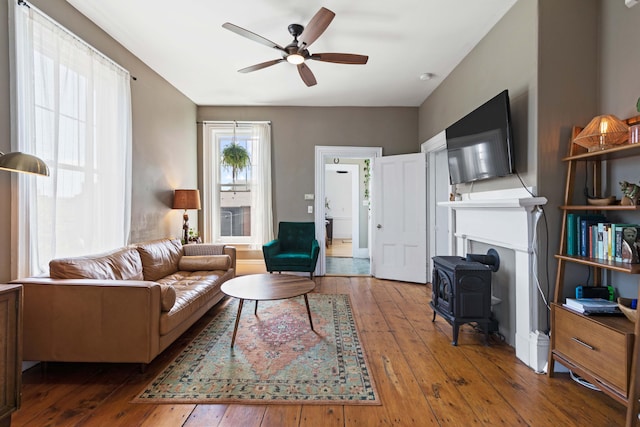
(323,152)
(432,146)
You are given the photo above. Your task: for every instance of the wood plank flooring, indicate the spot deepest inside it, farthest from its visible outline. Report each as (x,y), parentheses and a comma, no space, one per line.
(339,247)
(422,379)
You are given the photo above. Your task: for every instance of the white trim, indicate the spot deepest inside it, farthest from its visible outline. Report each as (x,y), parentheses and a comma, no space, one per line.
(500,218)
(432,146)
(321,153)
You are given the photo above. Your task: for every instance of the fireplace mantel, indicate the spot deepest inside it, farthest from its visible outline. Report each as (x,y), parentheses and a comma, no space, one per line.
(507,219)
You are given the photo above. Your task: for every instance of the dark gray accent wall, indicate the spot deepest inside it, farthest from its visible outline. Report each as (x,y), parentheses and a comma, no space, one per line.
(619,90)
(164,134)
(296,131)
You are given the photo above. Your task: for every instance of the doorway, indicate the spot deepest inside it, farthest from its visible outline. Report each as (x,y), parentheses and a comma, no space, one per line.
(346,247)
(361,236)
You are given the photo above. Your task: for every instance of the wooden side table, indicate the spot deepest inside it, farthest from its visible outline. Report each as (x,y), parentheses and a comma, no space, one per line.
(10,351)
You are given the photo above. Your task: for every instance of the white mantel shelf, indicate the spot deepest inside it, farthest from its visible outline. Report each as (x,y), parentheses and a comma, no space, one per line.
(495,203)
(507,219)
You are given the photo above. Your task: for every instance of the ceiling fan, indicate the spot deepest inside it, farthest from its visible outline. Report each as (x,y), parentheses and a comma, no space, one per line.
(297,51)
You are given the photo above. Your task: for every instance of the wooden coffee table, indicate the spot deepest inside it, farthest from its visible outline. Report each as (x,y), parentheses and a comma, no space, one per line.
(265,287)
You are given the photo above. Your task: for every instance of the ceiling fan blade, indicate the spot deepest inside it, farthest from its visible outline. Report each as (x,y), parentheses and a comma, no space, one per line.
(251,36)
(261,65)
(340,58)
(316,27)
(307,76)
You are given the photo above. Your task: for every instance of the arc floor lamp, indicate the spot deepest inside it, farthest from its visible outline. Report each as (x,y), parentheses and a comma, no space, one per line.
(25,163)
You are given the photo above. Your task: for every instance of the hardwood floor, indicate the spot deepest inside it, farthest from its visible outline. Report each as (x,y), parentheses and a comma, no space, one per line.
(339,247)
(422,379)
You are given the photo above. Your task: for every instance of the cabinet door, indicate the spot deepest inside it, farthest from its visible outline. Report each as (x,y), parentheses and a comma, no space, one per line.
(10,349)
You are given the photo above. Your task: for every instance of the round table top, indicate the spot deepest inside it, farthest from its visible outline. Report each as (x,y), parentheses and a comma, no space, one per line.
(263,287)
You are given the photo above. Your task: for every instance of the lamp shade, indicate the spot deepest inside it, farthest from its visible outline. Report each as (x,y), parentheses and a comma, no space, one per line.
(21,162)
(603,132)
(186,199)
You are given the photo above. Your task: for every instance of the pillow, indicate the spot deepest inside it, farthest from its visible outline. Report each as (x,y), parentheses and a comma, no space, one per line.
(204,263)
(167,297)
(159,258)
(121,264)
(203,249)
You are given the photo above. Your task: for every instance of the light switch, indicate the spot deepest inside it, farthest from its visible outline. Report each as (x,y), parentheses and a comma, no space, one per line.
(308,196)
(310,209)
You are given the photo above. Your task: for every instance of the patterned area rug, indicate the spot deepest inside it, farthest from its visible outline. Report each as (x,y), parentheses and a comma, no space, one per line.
(277,358)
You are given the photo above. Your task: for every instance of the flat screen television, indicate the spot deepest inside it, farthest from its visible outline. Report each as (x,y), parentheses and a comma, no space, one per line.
(480,145)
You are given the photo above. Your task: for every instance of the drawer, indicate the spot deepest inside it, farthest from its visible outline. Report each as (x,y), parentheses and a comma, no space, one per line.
(598,348)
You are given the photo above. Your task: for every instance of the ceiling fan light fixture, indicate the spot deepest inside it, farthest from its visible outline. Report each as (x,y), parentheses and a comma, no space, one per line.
(295,59)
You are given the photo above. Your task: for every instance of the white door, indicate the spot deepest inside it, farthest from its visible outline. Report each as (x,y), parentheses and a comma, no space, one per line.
(400,218)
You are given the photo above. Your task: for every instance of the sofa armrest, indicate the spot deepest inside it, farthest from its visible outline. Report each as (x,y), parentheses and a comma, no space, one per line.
(85,320)
(231,251)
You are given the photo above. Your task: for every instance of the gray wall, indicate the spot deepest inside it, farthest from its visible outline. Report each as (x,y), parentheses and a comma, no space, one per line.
(297,130)
(164,134)
(505,59)
(563,62)
(545,53)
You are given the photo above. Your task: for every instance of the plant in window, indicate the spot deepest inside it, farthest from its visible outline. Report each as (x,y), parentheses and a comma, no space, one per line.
(236,157)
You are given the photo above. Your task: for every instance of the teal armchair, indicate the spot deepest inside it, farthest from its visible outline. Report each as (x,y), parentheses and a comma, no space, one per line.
(295,249)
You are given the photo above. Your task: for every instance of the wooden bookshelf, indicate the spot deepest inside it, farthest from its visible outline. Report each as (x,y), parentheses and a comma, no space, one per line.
(584,344)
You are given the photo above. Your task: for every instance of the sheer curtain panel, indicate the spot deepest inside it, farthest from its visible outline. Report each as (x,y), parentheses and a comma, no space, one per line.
(72,108)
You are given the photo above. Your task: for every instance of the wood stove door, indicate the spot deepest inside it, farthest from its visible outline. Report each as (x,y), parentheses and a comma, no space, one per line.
(442,291)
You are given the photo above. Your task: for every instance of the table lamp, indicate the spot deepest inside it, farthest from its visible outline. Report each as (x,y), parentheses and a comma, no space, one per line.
(186,199)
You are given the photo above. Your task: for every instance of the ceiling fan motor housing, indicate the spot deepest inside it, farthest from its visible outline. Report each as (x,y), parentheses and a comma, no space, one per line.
(295,30)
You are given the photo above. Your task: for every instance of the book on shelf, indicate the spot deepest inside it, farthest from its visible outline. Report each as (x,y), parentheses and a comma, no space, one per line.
(586,233)
(572,232)
(630,242)
(592,305)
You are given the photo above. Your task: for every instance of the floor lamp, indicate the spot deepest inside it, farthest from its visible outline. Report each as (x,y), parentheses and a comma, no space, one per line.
(186,199)
(25,163)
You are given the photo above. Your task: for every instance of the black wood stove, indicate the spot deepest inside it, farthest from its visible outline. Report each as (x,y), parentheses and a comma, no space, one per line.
(462,291)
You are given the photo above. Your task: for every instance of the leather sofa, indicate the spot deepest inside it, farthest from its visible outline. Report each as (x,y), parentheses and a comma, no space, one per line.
(127,305)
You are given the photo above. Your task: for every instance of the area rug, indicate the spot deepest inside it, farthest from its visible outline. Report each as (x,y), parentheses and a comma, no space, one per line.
(277,358)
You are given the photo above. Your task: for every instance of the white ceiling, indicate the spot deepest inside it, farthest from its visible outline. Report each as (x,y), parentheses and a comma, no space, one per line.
(185,43)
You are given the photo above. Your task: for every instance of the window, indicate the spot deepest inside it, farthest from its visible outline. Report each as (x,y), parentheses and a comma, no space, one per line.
(73,111)
(237,188)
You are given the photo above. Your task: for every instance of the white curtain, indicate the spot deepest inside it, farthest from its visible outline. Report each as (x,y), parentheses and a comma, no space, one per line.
(72,108)
(262,225)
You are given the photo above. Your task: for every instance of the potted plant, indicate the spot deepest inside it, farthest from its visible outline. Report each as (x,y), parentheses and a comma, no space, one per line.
(236,157)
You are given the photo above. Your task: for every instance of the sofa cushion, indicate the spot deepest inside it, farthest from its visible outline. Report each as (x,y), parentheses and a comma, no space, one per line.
(203,249)
(291,259)
(193,291)
(167,297)
(204,263)
(121,264)
(159,258)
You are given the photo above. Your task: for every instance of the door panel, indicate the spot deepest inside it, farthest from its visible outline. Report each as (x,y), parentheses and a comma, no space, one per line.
(399,212)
